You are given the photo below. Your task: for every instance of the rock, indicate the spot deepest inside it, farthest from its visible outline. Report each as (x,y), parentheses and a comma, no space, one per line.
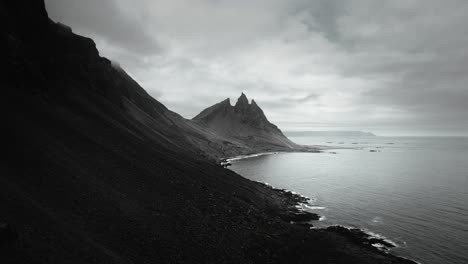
(359,236)
(299,216)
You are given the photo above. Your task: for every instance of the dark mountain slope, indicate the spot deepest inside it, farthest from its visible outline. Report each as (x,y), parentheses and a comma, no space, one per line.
(55,52)
(96,171)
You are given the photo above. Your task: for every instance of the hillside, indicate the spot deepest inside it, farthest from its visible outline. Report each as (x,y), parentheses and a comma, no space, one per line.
(97,171)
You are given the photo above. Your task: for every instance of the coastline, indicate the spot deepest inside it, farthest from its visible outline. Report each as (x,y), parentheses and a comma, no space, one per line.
(296,214)
(248,156)
(307,149)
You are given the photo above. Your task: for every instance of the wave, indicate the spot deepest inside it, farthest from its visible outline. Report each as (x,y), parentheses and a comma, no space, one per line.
(304,205)
(309,207)
(379,236)
(382,245)
(313,207)
(373,235)
(240,157)
(298,194)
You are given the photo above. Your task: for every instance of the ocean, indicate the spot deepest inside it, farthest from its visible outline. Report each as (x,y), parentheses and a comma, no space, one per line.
(412,191)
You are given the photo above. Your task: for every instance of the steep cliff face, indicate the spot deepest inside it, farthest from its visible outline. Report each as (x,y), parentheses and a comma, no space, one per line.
(246,124)
(47,60)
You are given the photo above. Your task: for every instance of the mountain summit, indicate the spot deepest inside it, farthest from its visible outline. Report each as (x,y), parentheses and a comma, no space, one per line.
(244,123)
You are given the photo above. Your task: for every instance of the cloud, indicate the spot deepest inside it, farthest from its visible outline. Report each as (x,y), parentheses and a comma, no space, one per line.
(384,65)
(107,21)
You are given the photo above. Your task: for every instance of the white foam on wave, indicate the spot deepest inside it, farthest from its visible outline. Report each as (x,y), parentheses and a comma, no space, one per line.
(250,156)
(300,195)
(312,207)
(378,245)
(410,259)
(301,206)
(379,236)
(308,207)
(374,235)
(377,220)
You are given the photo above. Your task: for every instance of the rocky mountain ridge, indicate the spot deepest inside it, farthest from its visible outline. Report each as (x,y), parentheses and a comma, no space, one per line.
(246,125)
(243,112)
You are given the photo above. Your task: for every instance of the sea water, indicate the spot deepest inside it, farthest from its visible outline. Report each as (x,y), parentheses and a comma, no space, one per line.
(412,191)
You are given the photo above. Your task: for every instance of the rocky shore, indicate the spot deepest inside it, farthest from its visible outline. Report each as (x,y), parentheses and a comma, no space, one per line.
(290,212)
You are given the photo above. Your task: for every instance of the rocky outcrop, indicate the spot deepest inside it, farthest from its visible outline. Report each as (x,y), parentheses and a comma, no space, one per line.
(242,119)
(245,126)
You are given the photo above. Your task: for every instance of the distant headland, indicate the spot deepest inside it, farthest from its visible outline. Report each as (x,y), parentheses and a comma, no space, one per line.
(329,134)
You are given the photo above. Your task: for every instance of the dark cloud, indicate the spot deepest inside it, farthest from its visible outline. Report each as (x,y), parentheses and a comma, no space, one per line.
(386,66)
(321,16)
(104,19)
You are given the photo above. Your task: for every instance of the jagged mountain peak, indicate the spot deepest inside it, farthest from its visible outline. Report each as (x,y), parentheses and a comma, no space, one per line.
(243,120)
(242,103)
(245,108)
(254,105)
(226,101)
(242,110)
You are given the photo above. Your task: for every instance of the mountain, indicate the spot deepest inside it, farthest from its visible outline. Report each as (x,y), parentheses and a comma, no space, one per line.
(246,126)
(97,171)
(329,134)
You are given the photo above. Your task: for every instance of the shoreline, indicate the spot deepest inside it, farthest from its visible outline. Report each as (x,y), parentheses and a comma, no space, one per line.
(311,149)
(248,156)
(296,214)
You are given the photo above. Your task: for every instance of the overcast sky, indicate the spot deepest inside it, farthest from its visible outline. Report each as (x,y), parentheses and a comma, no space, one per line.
(395,67)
